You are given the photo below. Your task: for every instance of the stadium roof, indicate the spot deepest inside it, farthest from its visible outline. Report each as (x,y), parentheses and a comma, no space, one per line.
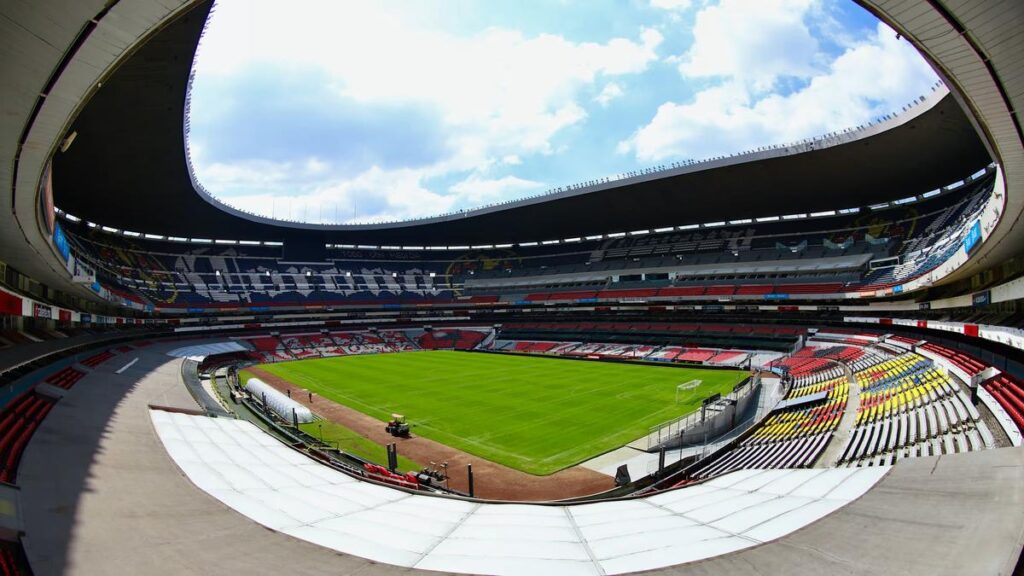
(127,169)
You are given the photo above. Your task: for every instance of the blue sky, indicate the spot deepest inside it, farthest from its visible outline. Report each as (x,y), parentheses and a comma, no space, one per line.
(376,111)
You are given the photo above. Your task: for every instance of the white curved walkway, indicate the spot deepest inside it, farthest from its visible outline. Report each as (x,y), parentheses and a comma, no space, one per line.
(257,476)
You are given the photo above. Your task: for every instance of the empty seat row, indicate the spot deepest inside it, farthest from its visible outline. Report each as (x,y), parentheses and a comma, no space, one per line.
(18,422)
(96,360)
(805,389)
(965,362)
(65,378)
(1009,392)
(950,443)
(796,453)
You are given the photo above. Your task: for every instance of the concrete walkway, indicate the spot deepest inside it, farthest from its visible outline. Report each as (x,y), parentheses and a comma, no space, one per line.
(835,448)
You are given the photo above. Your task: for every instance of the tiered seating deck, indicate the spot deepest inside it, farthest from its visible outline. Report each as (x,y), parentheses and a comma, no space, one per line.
(1009,392)
(18,422)
(907,409)
(96,360)
(696,355)
(65,378)
(965,362)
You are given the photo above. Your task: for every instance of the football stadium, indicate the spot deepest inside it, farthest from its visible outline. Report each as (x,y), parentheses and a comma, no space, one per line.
(718,351)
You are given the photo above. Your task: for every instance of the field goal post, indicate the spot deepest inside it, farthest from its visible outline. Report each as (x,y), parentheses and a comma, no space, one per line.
(686,390)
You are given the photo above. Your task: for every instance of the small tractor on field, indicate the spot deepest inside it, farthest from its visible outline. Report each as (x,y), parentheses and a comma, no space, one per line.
(397,427)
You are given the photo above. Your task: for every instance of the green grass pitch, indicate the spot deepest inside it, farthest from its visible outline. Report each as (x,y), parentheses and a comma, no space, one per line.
(538,415)
(350,441)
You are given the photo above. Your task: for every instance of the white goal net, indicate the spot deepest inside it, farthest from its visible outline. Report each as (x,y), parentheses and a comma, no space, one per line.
(687,391)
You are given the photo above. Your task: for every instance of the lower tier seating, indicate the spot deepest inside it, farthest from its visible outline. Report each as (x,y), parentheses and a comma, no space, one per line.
(18,422)
(96,360)
(65,378)
(965,362)
(800,452)
(909,408)
(1009,392)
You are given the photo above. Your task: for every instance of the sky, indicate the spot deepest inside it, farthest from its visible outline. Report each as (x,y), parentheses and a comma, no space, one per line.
(359,111)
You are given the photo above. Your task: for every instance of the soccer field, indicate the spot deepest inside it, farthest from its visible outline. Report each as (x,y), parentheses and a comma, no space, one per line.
(538,415)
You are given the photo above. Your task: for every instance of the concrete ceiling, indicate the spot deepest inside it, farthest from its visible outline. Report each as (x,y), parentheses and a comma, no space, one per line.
(55,55)
(52,56)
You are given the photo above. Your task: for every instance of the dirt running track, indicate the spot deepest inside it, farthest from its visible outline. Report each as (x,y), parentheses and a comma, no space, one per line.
(490,480)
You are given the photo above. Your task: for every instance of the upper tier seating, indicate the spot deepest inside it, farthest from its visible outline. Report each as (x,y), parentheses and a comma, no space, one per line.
(723,262)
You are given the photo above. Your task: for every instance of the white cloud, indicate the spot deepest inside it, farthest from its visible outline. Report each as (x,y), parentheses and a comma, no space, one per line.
(873,77)
(671,4)
(610,92)
(290,191)
(501,96)
(752,42)
(498,83)
(479,190)
(252,173)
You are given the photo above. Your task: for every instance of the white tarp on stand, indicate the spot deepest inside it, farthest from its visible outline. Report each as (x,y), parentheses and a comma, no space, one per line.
(280,403)
(285,491)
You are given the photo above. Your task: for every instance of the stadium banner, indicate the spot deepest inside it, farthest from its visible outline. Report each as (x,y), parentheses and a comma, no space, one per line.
(64,315)
(898,289)
(81,273)
(85,318)
(776,296)
(60,241)
(10,304)
(42,310)
(865,320)
(982,298)
(973,237)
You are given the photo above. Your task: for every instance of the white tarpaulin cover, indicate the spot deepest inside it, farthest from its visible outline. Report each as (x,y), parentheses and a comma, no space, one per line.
(281,404)
(251,472)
